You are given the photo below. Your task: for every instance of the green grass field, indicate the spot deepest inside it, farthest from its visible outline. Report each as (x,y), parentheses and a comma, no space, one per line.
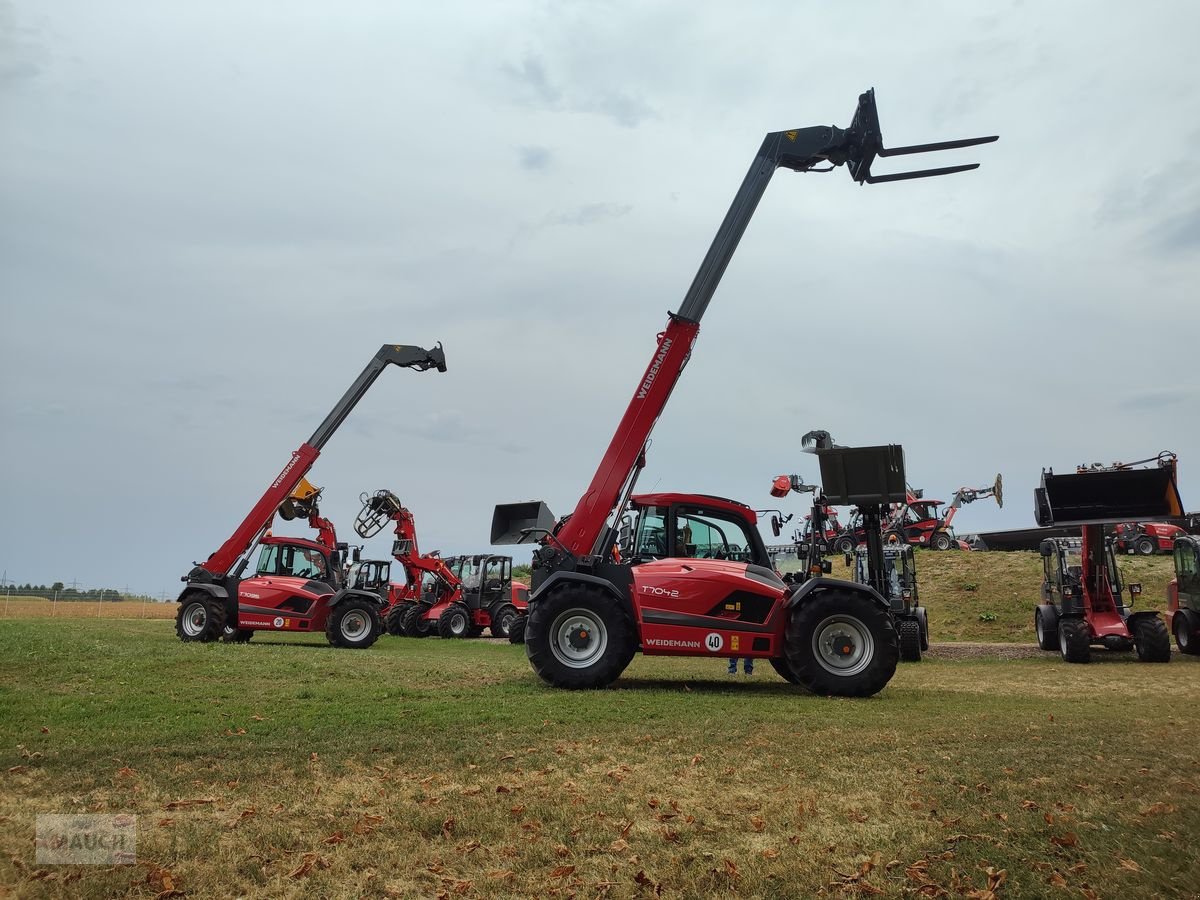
(445,768)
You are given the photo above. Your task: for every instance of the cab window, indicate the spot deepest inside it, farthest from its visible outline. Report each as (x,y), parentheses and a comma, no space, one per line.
(290,560)
(650,541)
(705,535)
(1185,561)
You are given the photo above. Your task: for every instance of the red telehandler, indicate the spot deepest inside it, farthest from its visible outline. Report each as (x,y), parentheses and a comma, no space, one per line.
(919,523)
(691,577)
(297,583)
(1082,598)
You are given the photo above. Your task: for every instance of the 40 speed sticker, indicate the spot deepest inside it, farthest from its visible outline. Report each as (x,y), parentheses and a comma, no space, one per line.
(714,642)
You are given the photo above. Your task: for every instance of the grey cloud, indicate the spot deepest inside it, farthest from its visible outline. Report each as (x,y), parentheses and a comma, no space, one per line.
(535,87)
(1178,234)
(1152,401)
(592,214)
(535,159)
(532,80)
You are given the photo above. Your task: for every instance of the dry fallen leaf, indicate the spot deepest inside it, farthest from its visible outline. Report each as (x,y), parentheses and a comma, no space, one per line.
(1128,864)
(448,827)
(199,801)
(1068,839)
(619,846)
(757,823)
(335,838)
(770,854)
(562,871)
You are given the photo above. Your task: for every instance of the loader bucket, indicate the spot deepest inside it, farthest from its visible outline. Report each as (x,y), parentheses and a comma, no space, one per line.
(518,523)
(1120,495)
(863,476)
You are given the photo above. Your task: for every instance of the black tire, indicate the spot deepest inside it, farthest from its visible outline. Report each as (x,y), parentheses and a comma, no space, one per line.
(908,633)
(1045,626)
(1144,546)
(1185,635)
(923,618)
(516,631)
(866,634)
(1151,639)
(1074,640)
(201,618)
(454,622)
(393,622)
(843,545)
(418,625)
(780,665)
(941,541)
(579,637)
(502,617)
(353,625)
(236,635)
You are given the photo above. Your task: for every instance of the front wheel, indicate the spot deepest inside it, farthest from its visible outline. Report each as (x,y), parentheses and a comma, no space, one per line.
(201,618)
(502,618)
(455,622)
(1045,623)
(516,631)
(1151,640)
(393,622)
(353,624)
(842,644)
(780,665)
(843,545)
(1185,636)
(1144,546)
(1074,640)
(909,635)
(236,635)
(578,637)
(941,541)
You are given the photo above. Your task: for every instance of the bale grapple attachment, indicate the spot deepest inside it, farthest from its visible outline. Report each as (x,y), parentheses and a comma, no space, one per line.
(1100,495)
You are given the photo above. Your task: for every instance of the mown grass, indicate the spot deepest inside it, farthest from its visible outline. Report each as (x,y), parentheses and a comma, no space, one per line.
(425,768)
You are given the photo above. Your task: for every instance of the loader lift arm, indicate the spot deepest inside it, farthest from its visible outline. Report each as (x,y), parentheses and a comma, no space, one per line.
(219,564)
(582,535)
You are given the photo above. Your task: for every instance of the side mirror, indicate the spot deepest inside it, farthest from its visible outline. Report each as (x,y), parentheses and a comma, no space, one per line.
(849,558)
(1135,590)
(776,525)
(357,554)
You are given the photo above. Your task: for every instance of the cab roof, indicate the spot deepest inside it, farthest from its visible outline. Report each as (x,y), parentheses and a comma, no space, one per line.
(703,501)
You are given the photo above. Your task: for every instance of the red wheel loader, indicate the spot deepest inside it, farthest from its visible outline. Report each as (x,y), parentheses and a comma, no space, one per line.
(919,523)
(296,585)
(687,574)
(1183,595)
(1082,596)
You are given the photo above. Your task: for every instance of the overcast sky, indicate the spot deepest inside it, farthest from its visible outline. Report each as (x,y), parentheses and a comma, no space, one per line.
(212,215)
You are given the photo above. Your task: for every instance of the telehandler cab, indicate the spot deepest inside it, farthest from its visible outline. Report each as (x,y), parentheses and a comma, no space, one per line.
(297,583)
(593,607)
(1082,596)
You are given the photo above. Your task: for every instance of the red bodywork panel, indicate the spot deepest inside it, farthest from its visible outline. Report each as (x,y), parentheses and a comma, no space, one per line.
(706,607)
(1099,603)
(285,602)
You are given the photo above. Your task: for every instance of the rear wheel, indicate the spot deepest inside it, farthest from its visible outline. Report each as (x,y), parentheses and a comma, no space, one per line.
(1074,640)
(201,618)
(353,625)
(502,617)
(578,637)
(236,635)
(1185,636)
(941,541)
(844,544)
(923,618)
(780,665)
(420,625)
(909,634)
(1151,639)
(454,622)
(842,643)
(516,631)
(1144,546)
(1045,623)
(394,620)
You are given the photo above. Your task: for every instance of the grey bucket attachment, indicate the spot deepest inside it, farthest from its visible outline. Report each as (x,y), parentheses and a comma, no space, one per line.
(1119,495)
(518,523)
(860,476)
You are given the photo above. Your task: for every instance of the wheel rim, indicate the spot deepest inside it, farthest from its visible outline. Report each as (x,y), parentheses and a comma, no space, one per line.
(1062,639)
(1041,633)
(355,625)
(1183,635)
(458,624)
(195,619)
(578,638)
(505,619)
(843,645)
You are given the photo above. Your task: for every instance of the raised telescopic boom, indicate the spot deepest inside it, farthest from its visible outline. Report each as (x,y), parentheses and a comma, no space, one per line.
(406,357)
(801,150)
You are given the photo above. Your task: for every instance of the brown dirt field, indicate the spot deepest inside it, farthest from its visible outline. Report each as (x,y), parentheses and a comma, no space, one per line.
(37,608)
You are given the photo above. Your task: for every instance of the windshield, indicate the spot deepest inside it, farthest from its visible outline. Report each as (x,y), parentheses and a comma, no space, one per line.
(291,560)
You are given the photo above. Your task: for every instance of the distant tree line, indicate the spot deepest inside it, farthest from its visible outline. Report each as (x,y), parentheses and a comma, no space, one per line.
(94,595)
